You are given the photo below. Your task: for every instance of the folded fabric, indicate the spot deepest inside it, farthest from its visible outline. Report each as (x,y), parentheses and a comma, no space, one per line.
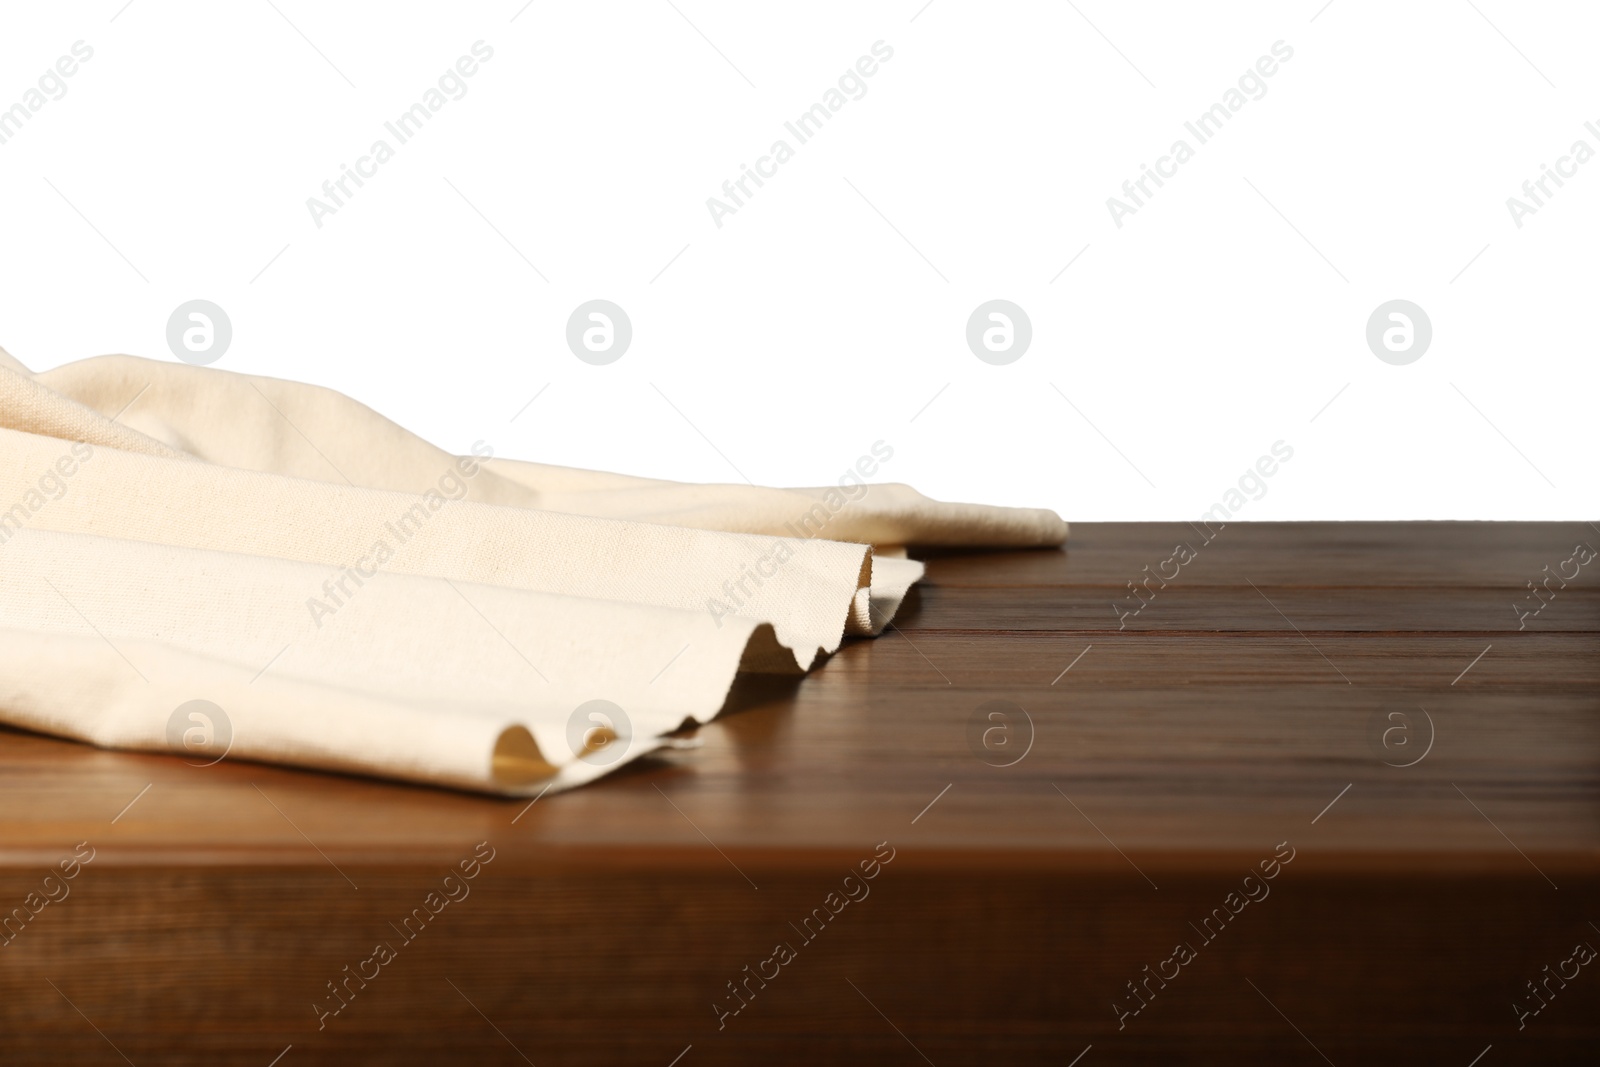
(219,564)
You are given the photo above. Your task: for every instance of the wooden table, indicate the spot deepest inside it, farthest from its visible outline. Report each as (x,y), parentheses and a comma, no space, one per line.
(1358,697)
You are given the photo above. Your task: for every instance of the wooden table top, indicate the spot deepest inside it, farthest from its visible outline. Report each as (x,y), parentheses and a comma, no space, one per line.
(1240,700)
(1384,696)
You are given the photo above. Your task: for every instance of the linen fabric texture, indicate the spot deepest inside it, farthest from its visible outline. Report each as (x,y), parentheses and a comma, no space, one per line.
(354,599)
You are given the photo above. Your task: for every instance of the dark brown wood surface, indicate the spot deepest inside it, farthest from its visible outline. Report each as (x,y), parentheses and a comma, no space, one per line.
(1167,753)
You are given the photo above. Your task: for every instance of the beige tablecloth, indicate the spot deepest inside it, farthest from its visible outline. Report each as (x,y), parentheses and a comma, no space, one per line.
(223,565)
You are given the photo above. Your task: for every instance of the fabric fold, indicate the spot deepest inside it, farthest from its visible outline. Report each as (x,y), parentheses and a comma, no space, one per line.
(349,597)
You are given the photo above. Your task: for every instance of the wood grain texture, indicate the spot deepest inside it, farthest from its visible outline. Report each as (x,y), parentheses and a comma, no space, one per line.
(1271,693)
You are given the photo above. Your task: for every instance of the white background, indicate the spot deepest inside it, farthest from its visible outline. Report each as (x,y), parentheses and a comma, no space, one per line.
(827,313)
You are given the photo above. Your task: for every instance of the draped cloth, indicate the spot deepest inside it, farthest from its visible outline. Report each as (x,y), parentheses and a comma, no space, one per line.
(223,565)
